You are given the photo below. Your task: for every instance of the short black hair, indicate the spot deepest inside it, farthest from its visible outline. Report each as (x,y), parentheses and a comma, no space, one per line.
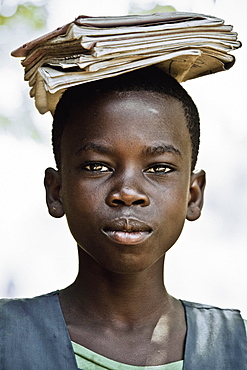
(145,79)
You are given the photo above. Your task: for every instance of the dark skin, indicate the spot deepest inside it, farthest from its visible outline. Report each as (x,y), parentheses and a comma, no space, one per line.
(126,187)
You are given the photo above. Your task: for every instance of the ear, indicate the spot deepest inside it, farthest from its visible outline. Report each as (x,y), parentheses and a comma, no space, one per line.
(52,184)
(197,186)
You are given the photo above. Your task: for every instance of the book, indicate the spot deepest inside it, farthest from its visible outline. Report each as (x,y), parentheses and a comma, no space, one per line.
(185,45)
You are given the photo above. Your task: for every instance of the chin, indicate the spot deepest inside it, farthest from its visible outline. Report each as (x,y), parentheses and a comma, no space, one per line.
(130,265)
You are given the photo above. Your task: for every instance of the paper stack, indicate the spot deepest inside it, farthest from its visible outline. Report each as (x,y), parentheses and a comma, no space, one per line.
(185,45)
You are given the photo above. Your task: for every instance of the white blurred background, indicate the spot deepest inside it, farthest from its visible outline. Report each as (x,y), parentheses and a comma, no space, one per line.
(37,253)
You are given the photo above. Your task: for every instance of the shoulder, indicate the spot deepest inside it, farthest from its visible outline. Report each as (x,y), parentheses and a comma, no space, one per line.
(16,309)
(38,316)
(206,310)
(15,302)
(216,337)
(213,319)
(227,312)
(31,331)
(202,306)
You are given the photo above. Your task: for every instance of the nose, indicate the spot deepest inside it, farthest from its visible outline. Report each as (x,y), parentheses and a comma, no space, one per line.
(127,196)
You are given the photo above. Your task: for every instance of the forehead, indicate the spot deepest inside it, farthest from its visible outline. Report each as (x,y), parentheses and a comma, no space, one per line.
(135,116)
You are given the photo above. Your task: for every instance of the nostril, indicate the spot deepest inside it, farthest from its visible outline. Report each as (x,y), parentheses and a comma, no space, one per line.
(118,202)
(139,201)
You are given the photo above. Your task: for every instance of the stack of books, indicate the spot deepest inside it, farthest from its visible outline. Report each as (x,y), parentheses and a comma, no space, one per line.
(185,45)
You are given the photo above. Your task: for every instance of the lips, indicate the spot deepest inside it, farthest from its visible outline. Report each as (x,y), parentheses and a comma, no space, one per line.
(127,231)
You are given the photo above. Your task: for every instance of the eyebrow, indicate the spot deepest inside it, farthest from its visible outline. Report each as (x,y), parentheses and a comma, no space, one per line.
(147,150)
(161,149)
(95,147)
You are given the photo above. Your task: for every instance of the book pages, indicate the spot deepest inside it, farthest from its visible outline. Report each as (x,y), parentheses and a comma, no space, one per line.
(184,45)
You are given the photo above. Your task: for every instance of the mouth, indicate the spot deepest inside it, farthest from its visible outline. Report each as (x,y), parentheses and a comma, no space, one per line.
(127,231)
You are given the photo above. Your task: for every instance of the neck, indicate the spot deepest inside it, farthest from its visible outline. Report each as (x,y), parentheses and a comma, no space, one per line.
(129,298)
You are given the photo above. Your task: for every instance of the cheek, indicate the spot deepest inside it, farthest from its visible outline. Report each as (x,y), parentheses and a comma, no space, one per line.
(175,196)
(82,205)
(76,194)
(172,209)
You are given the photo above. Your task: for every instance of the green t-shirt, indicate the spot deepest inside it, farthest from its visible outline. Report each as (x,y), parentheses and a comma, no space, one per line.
(89,360)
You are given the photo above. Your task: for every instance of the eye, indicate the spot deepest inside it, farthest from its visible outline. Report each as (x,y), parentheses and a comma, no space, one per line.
(159,169)
(96,167)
